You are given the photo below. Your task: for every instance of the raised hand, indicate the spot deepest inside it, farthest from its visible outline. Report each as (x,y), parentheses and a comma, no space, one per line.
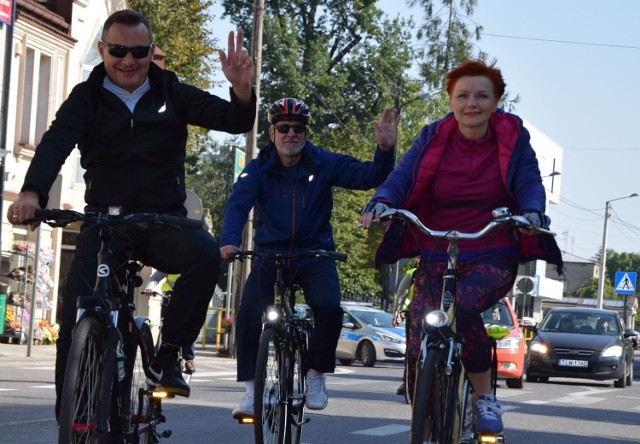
(238,67)
(386,129)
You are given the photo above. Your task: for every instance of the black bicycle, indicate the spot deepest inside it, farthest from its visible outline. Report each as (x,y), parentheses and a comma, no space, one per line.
(105,397)
(443,402)
(282,366)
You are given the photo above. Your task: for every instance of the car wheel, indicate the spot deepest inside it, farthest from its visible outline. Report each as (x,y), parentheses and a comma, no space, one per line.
(346,361)
(515,383)
(531,378)
(367,354)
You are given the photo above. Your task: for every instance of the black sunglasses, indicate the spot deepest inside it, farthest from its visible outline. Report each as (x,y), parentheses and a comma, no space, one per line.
(119,51)
(284,128)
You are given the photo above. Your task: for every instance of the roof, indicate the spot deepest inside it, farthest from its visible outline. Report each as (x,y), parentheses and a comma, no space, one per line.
(571,258)
(583,310)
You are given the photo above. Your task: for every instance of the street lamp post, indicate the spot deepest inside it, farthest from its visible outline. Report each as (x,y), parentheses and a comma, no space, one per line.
(603,253)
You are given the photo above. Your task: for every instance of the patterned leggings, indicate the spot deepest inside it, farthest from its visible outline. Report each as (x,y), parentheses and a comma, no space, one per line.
(482,282)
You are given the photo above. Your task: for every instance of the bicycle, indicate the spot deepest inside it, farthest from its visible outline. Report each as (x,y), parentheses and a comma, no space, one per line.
(185,368)
(443,404)
(282,362)
(105,397)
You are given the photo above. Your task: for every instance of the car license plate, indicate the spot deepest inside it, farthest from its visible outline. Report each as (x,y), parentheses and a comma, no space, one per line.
(572,363)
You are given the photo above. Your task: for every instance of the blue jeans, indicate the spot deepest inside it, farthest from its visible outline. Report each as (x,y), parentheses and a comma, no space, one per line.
(321,287)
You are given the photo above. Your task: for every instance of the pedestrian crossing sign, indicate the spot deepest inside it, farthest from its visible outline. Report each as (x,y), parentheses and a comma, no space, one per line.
(625,282)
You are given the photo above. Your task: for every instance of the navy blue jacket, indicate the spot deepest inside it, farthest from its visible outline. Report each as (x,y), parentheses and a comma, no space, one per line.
(296,216)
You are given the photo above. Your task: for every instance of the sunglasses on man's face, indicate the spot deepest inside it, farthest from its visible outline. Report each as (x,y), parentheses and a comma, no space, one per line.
(284,128)
(119,51)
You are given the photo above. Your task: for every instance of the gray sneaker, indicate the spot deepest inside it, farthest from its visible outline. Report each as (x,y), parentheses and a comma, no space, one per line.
(316,393)
(245,409)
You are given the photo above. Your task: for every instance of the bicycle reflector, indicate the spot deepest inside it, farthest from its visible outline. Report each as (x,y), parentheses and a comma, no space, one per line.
(436,318)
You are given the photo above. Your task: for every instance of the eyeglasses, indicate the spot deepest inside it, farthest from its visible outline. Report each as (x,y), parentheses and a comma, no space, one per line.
(284,128)
(119,51)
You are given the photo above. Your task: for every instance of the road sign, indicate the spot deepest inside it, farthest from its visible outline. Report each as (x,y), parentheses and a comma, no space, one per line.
(625,282)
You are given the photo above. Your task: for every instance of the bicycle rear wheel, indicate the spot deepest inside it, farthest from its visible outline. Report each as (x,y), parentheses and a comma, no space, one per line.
(138,359)
(466,433)
(83,386)
(270,405)
(429,400)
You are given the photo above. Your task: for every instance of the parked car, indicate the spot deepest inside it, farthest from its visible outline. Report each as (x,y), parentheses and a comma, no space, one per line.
(511,350)
(368,336)
(577,342)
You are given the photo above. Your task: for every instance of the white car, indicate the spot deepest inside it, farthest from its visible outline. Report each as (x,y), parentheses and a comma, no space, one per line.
(368,336)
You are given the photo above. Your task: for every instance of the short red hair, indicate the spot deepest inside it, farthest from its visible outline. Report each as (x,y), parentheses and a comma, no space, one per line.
(473,68)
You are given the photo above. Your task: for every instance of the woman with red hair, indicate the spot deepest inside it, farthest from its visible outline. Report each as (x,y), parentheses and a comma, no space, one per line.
(458,170)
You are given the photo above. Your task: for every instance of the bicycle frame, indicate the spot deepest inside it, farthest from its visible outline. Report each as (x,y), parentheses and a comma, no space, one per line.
(97,383)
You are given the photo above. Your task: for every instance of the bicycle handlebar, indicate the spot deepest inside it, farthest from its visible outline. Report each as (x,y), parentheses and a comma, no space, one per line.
(60,218)
(276,255)
(501,216)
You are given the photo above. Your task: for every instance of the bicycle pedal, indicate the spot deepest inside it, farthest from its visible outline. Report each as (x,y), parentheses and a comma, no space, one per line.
(166,434)
(491,439)
(245,420)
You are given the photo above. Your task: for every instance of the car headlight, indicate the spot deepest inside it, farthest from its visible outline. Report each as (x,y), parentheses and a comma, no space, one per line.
(513,342)
(615,351)
(388,338)
(538,347)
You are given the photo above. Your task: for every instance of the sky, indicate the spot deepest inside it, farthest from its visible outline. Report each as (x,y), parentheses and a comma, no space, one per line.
(576,66)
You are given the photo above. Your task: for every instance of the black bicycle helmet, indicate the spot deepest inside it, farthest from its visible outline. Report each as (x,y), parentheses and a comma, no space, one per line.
(289,109)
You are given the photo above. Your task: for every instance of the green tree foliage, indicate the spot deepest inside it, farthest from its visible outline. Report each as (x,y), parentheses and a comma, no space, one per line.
(447,35)
(590,290)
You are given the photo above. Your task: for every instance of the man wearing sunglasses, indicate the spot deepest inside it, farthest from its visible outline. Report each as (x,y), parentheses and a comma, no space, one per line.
(289,185)
(129,121)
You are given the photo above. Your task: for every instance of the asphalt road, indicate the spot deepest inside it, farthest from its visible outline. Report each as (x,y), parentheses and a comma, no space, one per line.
(363,407)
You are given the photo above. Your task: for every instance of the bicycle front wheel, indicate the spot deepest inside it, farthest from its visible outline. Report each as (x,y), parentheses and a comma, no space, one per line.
(270,402)
(83,386)
(429,400)
(466,433)
(298,395)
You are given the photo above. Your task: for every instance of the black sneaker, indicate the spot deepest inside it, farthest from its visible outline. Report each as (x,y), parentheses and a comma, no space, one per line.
(165,372)
(189,366)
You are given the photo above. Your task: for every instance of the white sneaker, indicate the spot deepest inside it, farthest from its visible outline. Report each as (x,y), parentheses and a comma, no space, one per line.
(316,392)
(245,409)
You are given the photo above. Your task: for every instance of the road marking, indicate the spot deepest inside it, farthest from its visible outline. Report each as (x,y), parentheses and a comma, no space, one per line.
(391,429)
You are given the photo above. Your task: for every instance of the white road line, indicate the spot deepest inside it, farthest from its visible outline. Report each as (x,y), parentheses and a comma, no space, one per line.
(391,429)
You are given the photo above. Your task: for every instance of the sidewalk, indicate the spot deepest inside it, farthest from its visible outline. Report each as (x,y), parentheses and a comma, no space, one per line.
(16,355)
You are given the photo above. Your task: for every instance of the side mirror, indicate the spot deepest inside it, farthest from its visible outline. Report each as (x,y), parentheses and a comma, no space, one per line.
(349,325)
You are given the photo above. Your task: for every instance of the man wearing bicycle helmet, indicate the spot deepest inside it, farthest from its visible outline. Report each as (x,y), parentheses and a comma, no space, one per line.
(289,186)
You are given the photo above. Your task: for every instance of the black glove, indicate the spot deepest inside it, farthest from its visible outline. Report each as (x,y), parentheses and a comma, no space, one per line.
(377,208)
(533,217)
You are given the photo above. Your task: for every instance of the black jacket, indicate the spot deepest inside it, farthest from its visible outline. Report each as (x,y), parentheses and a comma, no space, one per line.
(135,160)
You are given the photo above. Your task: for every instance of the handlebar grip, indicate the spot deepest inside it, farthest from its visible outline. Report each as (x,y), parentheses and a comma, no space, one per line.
(338,256)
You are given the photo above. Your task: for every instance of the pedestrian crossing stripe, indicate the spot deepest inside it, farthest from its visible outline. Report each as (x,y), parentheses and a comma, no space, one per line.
(625,282)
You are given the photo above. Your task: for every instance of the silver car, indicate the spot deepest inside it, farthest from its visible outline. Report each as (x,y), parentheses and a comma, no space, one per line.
(368,336)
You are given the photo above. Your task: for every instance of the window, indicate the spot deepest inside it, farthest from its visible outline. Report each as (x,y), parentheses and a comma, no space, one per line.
(35,103)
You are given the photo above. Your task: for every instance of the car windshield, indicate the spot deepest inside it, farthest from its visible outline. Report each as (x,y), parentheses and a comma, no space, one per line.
(590,324)
(498,315)
(374,318)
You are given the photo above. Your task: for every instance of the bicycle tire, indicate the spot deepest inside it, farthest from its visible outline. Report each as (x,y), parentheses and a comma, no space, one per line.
(135,380)
(427,422)
(83,385)
(270,403)
(297,391)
